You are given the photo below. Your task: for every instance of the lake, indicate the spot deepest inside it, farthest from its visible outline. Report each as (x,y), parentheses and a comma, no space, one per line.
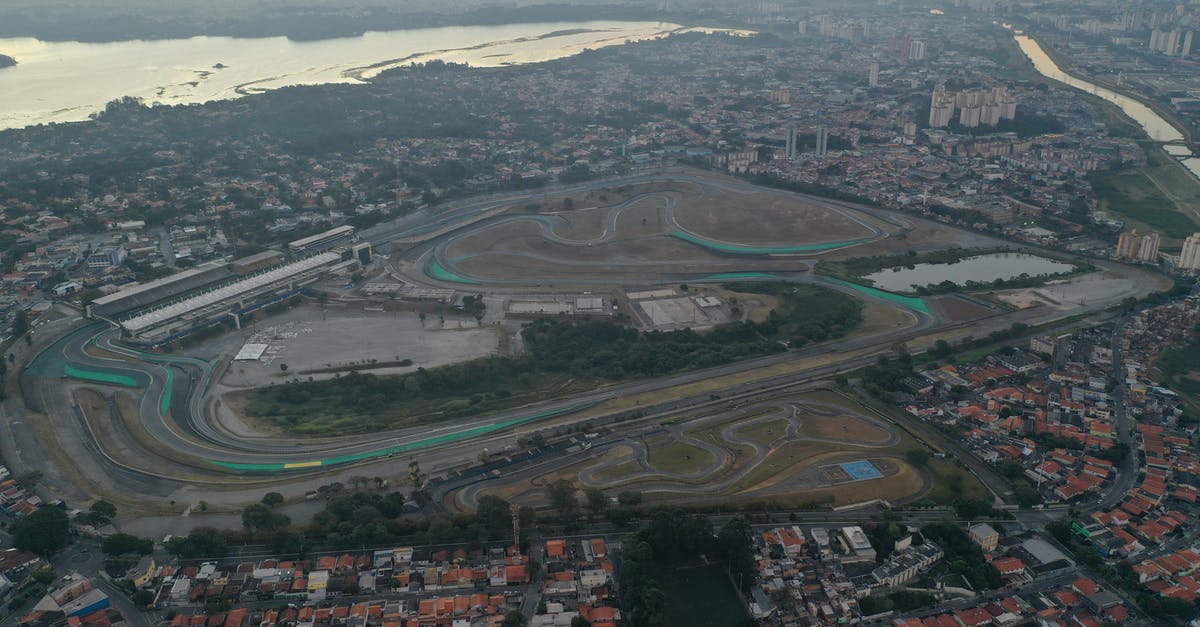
(980,269)
(68,81)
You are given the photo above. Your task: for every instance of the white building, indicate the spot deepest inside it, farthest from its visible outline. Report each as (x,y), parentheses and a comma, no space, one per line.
(1189,259)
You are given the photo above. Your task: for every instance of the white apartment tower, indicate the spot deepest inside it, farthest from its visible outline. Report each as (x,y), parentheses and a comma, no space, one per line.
(1189,259)
(873,75)
(1148,250)
(916,50)
(822,141)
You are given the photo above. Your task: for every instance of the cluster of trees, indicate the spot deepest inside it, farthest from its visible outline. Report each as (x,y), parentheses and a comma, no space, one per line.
(816,189)
(1178,363)
(963,556)
(882,379)
(556,348)
(854,269)
(563,497)
(673,538)
(807,313)
(44,531)
(901,601)
(347,521)
(607,350)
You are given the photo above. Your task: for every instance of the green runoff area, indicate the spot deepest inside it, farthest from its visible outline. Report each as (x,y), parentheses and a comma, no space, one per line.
(763,250)
(440,273)
(909,302)
(448,438)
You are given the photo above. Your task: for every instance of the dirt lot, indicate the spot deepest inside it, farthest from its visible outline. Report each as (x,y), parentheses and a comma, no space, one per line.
(764,219)
(309,338)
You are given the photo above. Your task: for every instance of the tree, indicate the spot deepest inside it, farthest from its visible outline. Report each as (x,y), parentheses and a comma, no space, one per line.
(562,497)
(629,498)
(514,619)
(917,457)
(597,501)
(20,323)
(143,598)
(415,476)
(271,499)
(736,544)
(124,544)
(43,532)
(494,514)
(103,510)
(259,517)
(580,621)
(283,367)
(202,542)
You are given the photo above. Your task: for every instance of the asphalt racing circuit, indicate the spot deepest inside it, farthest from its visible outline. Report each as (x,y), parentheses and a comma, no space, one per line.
(156,434)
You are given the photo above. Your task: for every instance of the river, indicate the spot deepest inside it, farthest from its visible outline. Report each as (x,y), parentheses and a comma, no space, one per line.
(68,81)
(1155,126)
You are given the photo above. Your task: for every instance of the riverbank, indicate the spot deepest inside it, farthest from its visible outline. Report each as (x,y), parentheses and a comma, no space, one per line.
(296,24)
(1160,196)
(68,82)
(1064,63)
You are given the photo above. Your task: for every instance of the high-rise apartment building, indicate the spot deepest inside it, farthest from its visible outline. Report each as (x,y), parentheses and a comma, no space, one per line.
(873,75)
(822,141)
(1128,245)
(916,50)
(1148,249)
(1189,259)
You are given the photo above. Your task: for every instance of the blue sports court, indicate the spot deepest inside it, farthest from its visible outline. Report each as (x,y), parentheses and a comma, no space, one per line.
(861,470)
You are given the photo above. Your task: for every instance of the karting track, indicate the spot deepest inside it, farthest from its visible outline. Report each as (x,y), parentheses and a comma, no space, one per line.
(182,444)
(728,455)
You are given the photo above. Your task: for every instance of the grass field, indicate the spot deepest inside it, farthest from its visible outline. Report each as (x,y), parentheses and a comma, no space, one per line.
(678,457)
(764,433)
(702,596)
(843,427)
(1137,194)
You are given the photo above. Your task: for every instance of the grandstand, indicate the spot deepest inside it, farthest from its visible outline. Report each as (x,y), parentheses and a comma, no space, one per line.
(322,242)
(147,294)
(171,319)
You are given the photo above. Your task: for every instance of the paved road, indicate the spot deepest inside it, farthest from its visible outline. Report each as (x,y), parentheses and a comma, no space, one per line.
(187,438)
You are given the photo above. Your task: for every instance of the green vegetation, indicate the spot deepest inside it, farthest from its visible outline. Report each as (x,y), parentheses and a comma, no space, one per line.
(562,357)
(678,458)
(1134,194)
(806,314)
(126,544)
(815,189)
(1180,367)
(699,595)
(902,601)
(43,532)
(963,556)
